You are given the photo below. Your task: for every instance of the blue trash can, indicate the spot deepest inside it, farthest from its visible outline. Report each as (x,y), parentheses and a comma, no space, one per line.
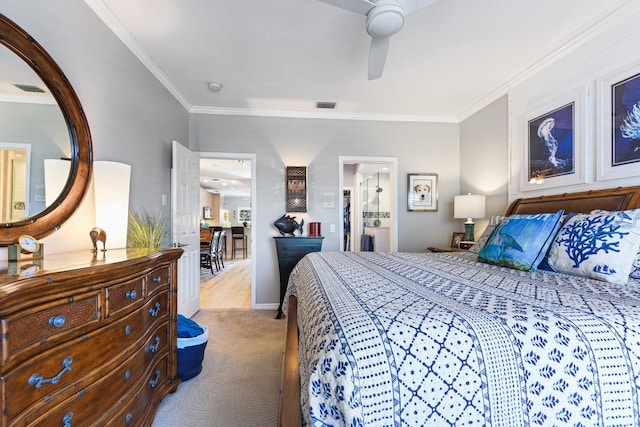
(190,348)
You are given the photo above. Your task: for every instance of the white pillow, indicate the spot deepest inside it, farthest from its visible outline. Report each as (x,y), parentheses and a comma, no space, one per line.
(601,245)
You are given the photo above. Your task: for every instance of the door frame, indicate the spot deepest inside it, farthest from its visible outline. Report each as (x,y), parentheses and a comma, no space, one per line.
(254,206)
(393,183)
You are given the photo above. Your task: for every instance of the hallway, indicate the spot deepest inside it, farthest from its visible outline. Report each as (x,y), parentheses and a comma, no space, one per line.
(230,288)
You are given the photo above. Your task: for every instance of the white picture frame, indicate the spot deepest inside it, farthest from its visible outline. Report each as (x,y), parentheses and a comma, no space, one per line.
(422,192)
(608,88)
(576,101)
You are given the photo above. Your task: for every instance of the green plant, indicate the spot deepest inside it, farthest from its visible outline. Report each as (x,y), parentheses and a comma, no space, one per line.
(145,230)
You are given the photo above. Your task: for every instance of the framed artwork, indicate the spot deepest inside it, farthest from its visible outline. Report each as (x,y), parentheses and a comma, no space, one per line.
(553,143)
(296,187)
(206,212)
(456,238)
(244,215)
(422,192)
(619,125)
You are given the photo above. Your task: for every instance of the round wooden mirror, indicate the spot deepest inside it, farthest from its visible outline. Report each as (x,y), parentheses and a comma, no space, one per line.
(53,216)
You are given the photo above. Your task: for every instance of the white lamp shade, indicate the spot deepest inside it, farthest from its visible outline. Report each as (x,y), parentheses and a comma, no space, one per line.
(56,174)
(469,206)
(111,187)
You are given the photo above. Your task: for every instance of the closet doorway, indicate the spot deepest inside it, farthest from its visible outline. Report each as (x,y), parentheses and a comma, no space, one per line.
(228,198)
(369,186)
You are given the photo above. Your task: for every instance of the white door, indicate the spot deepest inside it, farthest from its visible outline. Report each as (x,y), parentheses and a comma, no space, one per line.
(185,228)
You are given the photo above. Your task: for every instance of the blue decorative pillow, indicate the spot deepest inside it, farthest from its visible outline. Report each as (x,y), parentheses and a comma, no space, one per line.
(495,221)
(601,245)
(521,241)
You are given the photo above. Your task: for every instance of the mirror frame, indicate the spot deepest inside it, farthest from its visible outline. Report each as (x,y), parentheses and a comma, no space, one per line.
(52,217)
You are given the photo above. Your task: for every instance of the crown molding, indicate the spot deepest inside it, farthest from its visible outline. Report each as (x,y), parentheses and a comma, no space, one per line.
(330,115)
(107,16)
(580,39)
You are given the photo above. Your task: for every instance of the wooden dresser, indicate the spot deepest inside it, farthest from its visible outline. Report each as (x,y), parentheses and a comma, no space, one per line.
(88,340)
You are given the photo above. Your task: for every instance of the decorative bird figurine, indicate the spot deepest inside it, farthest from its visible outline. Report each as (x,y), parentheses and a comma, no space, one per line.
(98,235)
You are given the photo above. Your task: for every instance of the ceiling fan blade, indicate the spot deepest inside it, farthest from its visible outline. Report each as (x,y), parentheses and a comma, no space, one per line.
(413,5)
(377,56)
(358,6)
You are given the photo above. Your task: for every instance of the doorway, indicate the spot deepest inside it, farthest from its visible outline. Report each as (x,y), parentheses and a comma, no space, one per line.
(369,186)
(230,176)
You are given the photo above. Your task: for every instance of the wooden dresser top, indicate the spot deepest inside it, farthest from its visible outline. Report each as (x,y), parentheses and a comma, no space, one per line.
(47,275)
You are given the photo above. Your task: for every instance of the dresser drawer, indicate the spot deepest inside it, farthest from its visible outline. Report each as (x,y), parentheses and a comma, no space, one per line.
(123,296)
(98,400)
(54,374)
(49,322)
(135,410)
(158,278)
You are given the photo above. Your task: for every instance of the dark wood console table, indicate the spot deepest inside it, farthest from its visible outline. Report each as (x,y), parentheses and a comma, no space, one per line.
(290,251)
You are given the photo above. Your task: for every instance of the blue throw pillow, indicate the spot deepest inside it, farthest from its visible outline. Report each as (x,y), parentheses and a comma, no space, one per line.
(521,242)
(602,245)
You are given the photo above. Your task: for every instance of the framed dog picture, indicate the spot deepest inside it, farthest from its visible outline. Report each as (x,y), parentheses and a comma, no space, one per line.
(422,192)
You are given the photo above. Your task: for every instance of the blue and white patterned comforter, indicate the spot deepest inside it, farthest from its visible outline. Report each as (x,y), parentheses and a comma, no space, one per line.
(438,339)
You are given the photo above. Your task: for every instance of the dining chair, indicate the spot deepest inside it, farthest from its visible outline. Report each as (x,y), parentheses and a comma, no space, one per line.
(209,254)
(224,239)
(220,249)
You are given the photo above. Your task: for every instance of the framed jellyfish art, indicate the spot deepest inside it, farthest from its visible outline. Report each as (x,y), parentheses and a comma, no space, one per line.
(619,125)
(554,146)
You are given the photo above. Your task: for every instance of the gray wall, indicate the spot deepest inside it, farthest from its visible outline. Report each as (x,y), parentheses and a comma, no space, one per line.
(132,117)
(484,168)
(317,143)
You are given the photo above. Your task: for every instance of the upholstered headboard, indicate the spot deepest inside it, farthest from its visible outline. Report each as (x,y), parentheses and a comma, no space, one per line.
(620,198)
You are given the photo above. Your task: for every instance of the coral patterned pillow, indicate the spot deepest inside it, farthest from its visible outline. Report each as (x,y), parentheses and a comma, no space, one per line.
(601,245)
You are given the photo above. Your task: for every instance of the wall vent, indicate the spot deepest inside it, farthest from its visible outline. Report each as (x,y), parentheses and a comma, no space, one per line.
(326,105)
(29,88)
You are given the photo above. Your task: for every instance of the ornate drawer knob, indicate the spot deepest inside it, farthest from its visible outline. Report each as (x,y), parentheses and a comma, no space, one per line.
(154,347)
(57,321)
(37,380)
(66,420)
(155,311)
(154,381)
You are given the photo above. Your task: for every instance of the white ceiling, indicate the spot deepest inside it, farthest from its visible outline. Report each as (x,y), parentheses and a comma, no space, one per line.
(278,57)
(230,177)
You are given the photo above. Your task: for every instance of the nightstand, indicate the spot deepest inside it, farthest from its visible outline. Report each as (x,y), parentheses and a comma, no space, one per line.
(437,250)
(291,250)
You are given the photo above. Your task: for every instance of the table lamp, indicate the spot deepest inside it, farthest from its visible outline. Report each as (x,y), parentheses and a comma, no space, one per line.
(468,206)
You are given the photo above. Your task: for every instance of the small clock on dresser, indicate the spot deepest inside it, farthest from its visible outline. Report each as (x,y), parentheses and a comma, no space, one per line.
(26,247)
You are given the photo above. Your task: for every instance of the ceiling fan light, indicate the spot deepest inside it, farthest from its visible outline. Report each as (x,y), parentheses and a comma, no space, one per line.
(385,20)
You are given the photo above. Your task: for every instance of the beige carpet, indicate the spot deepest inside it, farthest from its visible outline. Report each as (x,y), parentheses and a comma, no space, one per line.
(240,380)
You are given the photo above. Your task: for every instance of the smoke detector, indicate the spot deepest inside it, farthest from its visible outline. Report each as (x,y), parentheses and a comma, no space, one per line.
(215,86)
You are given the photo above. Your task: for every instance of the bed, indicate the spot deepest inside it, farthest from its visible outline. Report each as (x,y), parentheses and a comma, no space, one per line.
(442,339)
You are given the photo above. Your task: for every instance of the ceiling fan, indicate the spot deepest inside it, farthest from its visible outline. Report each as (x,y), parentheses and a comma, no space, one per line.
(384,19)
